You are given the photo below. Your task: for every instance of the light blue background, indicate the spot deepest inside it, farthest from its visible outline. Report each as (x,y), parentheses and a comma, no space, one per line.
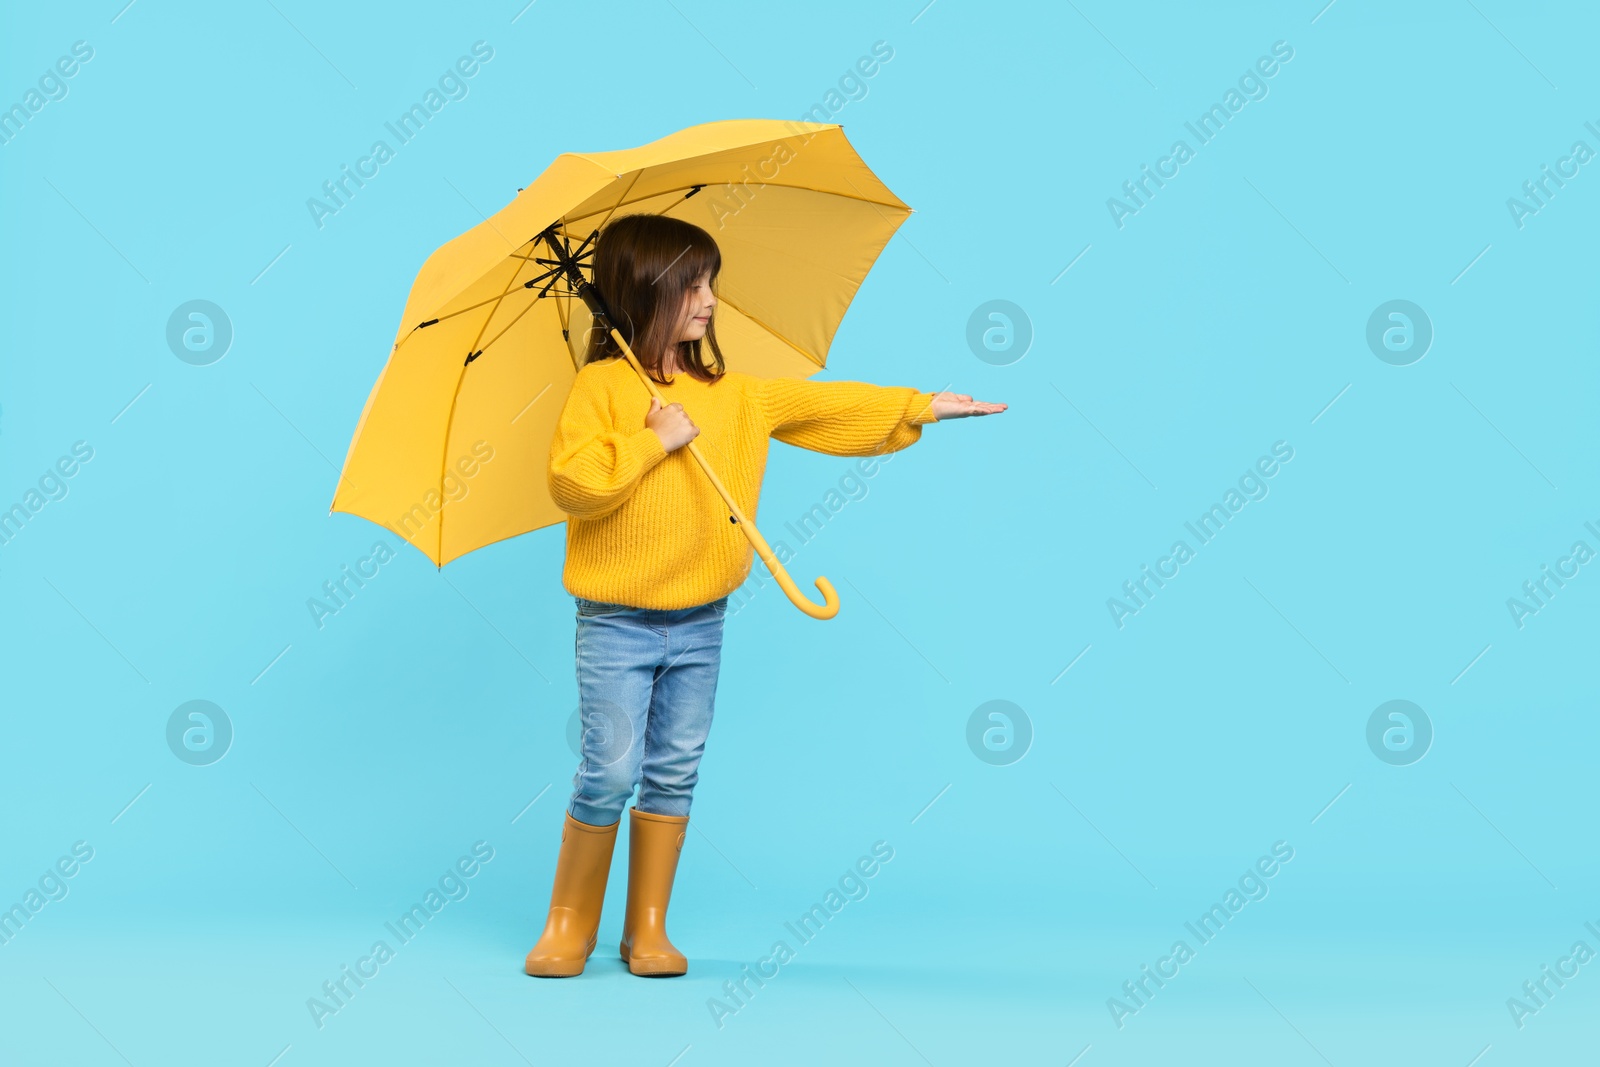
(1228,314)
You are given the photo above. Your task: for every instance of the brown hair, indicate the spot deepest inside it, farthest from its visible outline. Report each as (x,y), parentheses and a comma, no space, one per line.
(643,267)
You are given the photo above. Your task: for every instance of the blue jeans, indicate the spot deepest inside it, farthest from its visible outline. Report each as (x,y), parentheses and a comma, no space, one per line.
(647,684)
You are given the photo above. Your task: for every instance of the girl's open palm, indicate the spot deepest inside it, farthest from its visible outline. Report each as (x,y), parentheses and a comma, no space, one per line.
(960,405)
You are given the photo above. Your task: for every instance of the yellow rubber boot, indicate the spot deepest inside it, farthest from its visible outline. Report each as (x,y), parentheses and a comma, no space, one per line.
(573,924)
(654,844)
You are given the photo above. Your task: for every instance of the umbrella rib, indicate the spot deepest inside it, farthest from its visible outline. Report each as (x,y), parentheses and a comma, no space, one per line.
(490,317)
(461,374)
(470,307)
(563,312)
(530,306)
(453,314)
(621,202)
(778,185)
(561,300)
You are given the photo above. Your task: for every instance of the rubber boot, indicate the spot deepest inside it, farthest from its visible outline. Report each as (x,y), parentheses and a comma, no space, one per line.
(654,844)
(573,925)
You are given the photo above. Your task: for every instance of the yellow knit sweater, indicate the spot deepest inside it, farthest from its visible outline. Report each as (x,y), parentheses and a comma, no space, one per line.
(646,527)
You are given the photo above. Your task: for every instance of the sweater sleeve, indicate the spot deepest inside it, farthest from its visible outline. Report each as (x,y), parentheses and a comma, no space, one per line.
(594,465)
(844,418)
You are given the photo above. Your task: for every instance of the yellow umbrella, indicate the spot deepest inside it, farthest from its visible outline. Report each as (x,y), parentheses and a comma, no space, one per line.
(452,448)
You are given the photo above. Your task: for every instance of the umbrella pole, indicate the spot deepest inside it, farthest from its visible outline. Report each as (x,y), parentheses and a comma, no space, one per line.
(830,606)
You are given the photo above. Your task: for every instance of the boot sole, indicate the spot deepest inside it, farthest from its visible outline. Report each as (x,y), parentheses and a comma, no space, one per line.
(655,968)
(559,970)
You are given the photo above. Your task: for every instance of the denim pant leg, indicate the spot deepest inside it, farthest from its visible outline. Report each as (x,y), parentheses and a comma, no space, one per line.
(616,657)
(681,711)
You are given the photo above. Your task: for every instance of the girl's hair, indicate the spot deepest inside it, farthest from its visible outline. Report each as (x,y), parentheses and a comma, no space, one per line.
(643,267)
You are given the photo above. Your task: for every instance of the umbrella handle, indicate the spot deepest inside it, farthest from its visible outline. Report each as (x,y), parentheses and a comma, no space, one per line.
(830,605)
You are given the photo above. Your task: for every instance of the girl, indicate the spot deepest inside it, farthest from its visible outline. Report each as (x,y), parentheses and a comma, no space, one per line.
(651,559)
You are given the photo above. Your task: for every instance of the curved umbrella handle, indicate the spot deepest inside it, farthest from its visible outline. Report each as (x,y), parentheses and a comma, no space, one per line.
(830,605)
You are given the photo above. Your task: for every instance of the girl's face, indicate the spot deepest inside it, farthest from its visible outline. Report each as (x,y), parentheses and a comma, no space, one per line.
(698,304)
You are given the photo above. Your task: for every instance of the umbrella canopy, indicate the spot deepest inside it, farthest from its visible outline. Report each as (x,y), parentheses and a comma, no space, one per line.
(452,448)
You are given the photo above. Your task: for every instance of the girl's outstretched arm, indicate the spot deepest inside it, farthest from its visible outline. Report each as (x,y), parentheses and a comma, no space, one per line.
(844,418)
(594,465)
